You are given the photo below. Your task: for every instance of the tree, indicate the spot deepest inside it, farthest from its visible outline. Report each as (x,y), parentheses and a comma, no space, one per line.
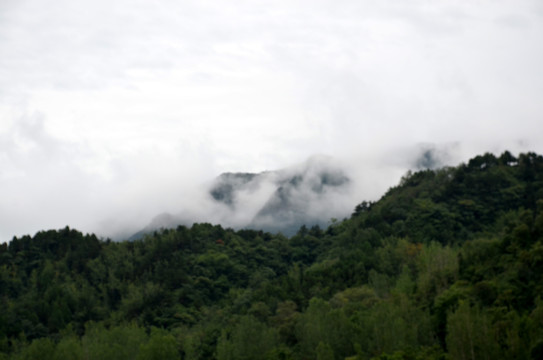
(324,351)
(470,335)
(116,343)
(252,339)
(68,348)
(161,346)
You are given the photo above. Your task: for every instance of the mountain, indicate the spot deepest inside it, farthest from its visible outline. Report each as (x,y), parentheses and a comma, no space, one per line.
(302,195)
(227,184)
(310,193)
(448,264)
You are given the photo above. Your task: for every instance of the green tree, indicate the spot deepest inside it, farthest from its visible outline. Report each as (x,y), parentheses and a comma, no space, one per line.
(161,346)
(118,342)
(39,349)
(324,351)
(250,339)
(69,347)
(470,334)
(321,323)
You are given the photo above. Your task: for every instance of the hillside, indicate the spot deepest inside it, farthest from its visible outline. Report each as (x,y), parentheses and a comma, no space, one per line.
(448,264)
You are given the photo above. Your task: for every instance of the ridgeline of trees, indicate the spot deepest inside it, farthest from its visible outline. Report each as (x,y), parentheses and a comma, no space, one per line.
(447,265)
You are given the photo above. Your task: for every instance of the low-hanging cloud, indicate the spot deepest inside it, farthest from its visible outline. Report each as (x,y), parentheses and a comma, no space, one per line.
(112,113)
(48,183)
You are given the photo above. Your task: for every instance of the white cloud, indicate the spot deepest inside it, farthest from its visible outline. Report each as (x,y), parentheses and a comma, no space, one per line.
(139,100)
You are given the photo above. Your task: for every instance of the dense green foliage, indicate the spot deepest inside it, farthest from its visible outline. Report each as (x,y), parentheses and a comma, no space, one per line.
(447,265)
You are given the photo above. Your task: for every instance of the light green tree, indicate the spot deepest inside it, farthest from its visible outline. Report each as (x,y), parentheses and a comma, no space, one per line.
(161,346)
(324,351)
(470,334)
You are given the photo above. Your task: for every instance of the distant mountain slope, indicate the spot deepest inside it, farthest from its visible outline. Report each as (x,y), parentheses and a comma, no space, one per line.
(301,195)
(278,201)
(227,184)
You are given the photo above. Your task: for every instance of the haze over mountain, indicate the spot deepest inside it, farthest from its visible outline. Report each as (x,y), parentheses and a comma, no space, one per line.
(305,193)
(282,200)
(309,193)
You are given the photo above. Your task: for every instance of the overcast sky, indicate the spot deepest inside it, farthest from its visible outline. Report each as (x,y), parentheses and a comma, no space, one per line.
(114,111)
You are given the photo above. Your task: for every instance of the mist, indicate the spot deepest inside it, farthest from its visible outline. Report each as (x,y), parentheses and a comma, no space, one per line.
(281,200)
(112,114)
(138,195)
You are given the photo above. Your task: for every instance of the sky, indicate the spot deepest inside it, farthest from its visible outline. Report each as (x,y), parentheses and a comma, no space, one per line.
(114,111)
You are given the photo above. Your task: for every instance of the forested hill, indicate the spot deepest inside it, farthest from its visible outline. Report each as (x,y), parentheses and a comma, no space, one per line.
(446,265)
(451,205)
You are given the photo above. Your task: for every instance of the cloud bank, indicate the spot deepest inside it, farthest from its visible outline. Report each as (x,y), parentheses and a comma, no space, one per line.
(113,112)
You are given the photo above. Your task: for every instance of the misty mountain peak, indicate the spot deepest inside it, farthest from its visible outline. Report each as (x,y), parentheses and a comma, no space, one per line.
(314,175)
(299,194)
(308,193)
(227,183)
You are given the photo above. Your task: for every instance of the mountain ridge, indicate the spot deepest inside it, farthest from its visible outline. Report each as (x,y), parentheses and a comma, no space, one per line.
(404,277)
(289,197)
